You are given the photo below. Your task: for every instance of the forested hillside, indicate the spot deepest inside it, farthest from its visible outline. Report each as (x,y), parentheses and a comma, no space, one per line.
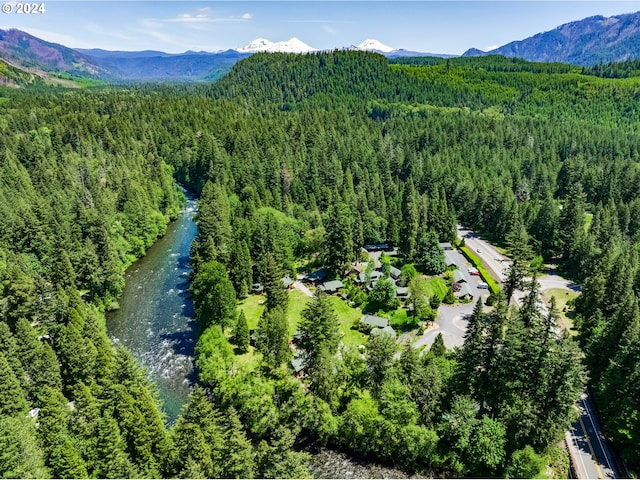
(300,161)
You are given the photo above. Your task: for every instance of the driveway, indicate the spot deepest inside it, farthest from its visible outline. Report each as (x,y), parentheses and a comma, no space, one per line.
(452,320)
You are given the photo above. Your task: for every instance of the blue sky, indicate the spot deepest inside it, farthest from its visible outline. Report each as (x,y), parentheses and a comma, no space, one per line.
(426,26)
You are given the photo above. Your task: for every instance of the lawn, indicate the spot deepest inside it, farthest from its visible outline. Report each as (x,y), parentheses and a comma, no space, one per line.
(562,297)
(253,308)
(347,316)
(436,286)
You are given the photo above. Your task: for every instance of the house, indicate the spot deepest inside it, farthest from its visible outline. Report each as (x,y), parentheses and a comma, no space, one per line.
(257,288)
(332,286)
(402,292)
(376,247)
(317,276)
(465,292)
(287,282)
(373,321)
(457,276)
(388,330)
(361,279)
(394,272)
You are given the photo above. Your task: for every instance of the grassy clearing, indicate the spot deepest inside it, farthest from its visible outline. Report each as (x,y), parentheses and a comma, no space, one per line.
(297,302)
(436,286)
(476,262)
(253,308)
(562,297)
(347,316)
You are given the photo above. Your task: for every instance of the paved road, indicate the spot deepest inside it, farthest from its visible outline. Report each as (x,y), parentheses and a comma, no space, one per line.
(298,285)
(452,319)
(590,454)
(587,446)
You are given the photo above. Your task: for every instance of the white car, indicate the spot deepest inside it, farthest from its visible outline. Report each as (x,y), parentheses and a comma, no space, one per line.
(483,285)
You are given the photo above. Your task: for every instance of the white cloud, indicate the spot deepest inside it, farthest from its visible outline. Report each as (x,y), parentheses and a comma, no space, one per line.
(205,15)
(328,29)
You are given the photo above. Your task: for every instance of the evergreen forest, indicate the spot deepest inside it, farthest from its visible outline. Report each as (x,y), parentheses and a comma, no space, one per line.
(299,161)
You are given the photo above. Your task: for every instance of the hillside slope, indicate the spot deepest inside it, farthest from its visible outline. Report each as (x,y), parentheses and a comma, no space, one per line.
(585,42)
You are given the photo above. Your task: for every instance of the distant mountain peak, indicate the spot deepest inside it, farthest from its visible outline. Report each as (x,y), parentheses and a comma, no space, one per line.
(371,44)
(293,45)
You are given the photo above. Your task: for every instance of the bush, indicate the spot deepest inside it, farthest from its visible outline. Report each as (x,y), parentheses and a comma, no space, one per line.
(449,298)
(434,302)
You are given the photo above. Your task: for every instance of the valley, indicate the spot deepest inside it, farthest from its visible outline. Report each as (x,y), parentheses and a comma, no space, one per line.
(315,299)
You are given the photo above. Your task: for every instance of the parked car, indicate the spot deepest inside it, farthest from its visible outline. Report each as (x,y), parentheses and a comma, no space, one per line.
(475,272)
(483,285)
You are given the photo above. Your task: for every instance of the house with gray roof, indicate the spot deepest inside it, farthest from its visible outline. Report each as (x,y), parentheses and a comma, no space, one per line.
(286,282)
(402,292)
(388,330)
(394,272)
(332,286)
(373,321)
(457,277)
(465,291)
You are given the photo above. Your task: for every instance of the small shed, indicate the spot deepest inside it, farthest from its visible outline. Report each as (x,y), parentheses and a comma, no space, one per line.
(287,282)
(332,286)
(373,321)
(457,276)
(257,288)
(446,246)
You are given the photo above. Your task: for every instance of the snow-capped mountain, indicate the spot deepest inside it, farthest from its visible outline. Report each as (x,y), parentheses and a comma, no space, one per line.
(371,44)
(293,45)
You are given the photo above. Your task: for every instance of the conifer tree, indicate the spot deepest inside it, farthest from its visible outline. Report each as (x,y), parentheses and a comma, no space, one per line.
(12,398)
(241,333)
(339,240)
(272,338)
(274,289)
(213,295)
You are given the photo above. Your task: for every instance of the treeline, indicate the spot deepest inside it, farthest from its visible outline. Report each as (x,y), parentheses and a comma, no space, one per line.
(306,158)
(77,206)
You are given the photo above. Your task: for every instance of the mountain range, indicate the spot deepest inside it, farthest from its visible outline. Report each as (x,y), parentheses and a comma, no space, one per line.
(585,42)
(25,57)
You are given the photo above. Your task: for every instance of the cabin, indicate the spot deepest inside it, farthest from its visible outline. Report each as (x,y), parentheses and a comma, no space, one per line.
(395,273)
(388,330)
(298,366)
(332,287)
(377,247)
(457,277)
(257,288)
(287,282)
(465,292)
(372,321)
(402,292)
(317,276)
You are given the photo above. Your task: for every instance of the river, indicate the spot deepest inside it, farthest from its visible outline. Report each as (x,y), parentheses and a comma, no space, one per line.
(155,321)
(155,318)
